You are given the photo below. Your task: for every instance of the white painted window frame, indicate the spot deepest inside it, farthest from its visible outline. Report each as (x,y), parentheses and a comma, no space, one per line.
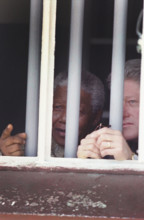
(45,114)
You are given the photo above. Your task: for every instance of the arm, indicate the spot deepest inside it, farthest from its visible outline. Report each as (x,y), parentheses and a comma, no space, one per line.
(12,145)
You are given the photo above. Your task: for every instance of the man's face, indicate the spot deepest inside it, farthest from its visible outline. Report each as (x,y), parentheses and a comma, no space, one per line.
(86,118)
(131,110)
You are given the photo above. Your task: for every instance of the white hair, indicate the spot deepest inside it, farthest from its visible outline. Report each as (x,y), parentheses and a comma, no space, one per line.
(89,83)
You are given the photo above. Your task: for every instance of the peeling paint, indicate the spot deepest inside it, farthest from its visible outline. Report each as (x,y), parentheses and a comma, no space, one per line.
(68,194)
(53,199)
(13,203)
(84,201)
(33,204)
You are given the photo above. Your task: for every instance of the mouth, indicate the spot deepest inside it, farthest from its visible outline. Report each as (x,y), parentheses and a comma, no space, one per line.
(127,124)
(61,132)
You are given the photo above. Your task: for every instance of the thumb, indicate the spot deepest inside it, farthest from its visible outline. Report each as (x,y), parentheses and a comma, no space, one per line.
(7,131)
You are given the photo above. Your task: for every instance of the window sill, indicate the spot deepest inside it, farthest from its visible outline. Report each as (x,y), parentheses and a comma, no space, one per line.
(89,165)
(70,192)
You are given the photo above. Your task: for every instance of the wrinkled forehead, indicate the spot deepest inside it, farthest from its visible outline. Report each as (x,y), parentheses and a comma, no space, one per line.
(131,87)
(60,92)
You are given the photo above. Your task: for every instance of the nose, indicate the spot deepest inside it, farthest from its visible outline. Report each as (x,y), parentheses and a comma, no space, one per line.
(63,117)
(125,110)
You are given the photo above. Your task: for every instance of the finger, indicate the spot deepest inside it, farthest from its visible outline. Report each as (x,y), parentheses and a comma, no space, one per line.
(104,130)
(14,140)
(17,153)
(109,135)
(104,138)
(89,147)
(22,135)
(7,132)
(13,148)
(92,135)
(106,145)
(88,154)
(88,151)
(106,152)
(88,141)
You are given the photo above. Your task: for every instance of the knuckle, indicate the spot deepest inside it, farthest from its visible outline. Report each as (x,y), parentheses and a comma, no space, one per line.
(82,141)
(80,147)
(105,129)
(92,147)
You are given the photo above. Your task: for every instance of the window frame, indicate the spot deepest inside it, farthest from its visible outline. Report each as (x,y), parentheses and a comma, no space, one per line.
(45,114)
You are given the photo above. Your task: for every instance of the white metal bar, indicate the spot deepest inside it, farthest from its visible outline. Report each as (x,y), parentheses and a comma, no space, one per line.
(118,62)
(74,78)
(141,113)
(33,78)
(46,80)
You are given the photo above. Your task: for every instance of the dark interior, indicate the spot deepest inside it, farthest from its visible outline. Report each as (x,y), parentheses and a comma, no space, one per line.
(97,49)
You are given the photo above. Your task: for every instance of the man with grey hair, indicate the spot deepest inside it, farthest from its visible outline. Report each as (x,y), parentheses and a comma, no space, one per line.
(91,106)
(106,141)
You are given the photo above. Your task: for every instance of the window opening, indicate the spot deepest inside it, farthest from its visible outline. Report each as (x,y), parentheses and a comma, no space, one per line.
(121,52)
(46,95)
(14,28)
(32,102)
(75,61)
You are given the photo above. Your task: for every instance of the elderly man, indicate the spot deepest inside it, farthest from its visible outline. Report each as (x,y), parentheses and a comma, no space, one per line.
(106,141)
(91,106)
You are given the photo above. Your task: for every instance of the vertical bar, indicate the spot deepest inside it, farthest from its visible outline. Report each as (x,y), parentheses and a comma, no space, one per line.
(74,78)
(141,113)
(46,79)
(33,78)
(118,63)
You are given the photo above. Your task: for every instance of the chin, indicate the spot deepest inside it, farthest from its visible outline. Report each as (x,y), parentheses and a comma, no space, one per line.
(130,137)
(61,143)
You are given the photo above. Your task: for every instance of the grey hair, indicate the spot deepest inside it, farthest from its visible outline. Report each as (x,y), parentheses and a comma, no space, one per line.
(132,71)
(90,84)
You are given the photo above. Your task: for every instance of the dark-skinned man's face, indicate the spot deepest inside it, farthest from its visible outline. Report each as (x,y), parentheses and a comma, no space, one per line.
(86,119)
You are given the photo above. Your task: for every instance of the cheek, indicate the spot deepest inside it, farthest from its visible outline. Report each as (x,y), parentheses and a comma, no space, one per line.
(56,117)
(83,122)
(136,115)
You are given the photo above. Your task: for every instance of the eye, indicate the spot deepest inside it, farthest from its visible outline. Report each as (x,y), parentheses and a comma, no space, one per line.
(57,107)
(132,102)
(82,112)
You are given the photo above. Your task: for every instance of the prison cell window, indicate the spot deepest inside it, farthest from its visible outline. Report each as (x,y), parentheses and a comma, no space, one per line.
(46,93)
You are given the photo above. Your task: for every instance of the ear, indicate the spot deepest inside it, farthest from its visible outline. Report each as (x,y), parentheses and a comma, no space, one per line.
(97,118)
